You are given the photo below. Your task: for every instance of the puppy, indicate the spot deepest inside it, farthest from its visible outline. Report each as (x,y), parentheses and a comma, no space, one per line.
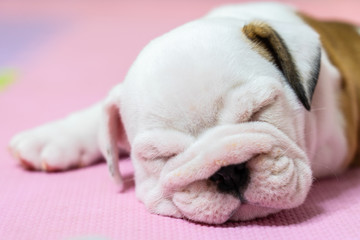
(229,117)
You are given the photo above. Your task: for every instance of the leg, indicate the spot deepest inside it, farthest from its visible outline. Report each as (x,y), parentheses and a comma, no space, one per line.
(60,145)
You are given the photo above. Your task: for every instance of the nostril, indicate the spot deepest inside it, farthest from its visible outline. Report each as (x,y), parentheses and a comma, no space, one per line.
(232,179)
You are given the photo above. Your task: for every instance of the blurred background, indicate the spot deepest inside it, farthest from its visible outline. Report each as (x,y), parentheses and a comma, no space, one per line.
(91,44)
(60,56)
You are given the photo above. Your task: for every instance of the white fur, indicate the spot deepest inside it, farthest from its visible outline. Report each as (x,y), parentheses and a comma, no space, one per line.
(66,143)
(185,108)
(324,126)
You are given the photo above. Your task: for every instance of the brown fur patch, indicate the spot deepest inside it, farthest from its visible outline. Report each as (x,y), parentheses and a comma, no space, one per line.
(270,45)
(342,44)
(250,31)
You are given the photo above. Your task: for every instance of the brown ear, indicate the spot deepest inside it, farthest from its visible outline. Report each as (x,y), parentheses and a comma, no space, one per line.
(297,54)
(112,135)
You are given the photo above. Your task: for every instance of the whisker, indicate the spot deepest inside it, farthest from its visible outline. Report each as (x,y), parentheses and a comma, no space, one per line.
(318,109)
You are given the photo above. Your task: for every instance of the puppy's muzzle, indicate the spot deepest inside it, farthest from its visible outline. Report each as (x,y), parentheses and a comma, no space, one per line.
(255,162)
(232,179)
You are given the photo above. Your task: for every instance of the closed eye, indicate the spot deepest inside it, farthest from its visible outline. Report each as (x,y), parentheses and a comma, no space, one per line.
(256,115)
(152,152)
(168,156)
(247,103)
(160,144)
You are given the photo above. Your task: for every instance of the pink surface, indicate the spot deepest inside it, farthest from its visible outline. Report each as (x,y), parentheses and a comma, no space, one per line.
(89,50)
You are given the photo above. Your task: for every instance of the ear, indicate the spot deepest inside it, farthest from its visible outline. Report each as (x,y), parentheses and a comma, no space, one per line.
(112,136)
(294,49)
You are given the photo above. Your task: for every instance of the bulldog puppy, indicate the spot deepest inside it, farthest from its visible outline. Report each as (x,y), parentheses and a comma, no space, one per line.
(229,117)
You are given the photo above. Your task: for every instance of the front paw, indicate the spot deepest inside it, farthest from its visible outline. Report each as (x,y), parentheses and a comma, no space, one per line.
(52,147)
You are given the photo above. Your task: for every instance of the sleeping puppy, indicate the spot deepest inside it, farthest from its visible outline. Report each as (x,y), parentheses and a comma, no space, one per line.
(229,117)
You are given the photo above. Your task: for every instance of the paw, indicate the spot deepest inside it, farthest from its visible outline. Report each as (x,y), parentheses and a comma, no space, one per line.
(54,147)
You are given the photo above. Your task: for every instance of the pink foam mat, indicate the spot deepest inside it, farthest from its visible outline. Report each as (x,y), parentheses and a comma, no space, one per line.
(88,50)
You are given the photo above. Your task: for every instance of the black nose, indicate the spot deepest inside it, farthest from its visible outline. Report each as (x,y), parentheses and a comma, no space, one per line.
(232,179)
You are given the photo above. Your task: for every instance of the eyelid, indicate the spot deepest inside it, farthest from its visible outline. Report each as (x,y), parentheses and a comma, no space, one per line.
(160,144)
(255,115)
(166,155)
(246,102)
(152,152)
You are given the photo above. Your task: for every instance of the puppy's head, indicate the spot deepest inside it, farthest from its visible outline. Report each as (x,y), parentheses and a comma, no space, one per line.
(213,113)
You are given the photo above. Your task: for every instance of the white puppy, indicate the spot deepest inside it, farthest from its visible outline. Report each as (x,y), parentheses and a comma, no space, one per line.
(216,116)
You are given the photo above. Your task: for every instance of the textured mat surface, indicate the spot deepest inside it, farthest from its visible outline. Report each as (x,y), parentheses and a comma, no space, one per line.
(66,56)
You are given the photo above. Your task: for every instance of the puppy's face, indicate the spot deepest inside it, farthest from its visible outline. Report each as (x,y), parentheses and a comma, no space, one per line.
(213,112)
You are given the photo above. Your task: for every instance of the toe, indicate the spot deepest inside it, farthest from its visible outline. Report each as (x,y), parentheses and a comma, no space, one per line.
(48,168)
(26,164)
